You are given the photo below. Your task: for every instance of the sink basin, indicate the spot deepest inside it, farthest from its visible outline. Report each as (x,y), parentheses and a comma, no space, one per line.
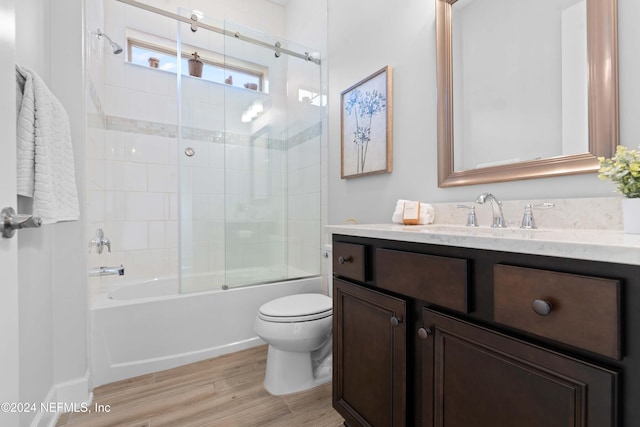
(481,231)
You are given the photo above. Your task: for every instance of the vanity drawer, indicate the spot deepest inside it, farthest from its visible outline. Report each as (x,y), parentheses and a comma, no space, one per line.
(435,279)
(581,311)
(348,260)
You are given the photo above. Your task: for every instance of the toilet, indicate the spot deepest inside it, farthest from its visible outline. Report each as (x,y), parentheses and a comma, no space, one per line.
(298,331)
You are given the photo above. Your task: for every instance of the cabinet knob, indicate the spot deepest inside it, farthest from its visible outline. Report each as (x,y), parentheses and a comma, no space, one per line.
(395,321)
(424,333)
(542,307)
(344,260)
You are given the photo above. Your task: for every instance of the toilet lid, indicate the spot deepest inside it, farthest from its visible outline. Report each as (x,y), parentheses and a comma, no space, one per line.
(297,308)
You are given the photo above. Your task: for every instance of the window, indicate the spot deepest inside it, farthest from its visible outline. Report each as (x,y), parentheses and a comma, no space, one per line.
(217,67)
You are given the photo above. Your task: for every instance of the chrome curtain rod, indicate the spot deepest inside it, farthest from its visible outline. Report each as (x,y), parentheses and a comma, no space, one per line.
(193,21)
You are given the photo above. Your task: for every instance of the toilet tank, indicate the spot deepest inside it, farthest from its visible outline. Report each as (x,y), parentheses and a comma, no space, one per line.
(327,269)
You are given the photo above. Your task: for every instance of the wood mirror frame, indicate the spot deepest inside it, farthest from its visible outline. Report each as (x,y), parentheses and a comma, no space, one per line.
(602,53)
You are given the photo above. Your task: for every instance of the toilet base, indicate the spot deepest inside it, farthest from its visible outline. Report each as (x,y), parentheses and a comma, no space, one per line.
(290,372)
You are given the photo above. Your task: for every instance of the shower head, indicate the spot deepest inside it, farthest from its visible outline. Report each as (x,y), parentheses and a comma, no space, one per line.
(114,46)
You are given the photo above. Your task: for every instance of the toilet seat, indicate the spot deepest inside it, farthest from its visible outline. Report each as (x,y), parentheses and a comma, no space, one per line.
(296,308)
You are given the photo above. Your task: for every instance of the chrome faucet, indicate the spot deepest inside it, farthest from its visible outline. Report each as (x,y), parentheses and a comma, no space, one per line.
(100,242)
(496,206)
(107,271)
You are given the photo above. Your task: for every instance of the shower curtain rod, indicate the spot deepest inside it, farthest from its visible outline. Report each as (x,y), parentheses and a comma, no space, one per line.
(195,25)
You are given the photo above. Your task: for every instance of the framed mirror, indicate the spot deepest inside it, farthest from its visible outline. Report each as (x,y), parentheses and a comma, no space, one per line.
(526,88)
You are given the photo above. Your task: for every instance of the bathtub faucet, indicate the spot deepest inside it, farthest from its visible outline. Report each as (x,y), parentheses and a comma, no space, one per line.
(107,271)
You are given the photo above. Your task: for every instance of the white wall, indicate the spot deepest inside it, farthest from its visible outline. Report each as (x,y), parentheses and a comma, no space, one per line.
(364,36)
(35,284)
(52,277)
(69,272)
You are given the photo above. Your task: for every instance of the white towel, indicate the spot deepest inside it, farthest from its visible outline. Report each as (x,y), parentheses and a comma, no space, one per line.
(26,135)
(427,213)
(46,170)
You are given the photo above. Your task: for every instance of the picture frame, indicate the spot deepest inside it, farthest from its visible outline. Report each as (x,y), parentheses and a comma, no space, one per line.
(366,130)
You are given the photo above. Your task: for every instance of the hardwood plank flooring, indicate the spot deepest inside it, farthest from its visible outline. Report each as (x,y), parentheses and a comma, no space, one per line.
(226,391)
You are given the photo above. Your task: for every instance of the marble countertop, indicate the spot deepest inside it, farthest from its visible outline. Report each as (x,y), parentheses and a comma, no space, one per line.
(593,245)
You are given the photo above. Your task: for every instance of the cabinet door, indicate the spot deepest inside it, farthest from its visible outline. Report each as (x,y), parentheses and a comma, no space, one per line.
(477,377)
(369,341)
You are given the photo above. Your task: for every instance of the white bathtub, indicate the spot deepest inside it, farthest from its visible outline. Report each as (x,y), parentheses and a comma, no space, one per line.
(147,327)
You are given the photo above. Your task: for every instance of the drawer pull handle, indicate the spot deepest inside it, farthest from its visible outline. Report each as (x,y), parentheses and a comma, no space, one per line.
(395,321)
(424,333)
(343,260)
(542,307)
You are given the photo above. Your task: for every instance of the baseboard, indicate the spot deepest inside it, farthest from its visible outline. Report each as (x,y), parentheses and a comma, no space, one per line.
(67,396)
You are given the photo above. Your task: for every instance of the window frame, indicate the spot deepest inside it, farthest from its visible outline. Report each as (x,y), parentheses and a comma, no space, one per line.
(208,57)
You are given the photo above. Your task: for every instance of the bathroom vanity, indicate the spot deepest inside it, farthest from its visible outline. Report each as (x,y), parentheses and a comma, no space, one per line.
(447,326)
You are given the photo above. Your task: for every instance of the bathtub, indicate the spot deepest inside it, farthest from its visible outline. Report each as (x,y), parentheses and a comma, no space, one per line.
(148,326)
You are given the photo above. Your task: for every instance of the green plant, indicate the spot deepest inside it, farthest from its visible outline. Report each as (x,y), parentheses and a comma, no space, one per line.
(624,170)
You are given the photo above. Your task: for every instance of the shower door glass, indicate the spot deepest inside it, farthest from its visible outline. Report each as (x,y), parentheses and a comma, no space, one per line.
(249,155)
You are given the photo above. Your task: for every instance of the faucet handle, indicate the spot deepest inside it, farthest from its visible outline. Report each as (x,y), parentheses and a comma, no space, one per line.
(106,242)
(100,242)
(528,222)
(472,220)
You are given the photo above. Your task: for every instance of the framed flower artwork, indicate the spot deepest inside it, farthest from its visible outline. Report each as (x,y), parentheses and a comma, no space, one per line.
(366,126)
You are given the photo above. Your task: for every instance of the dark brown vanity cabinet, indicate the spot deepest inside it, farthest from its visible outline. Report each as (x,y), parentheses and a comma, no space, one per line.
(473,376)
(369,383)
(441,336)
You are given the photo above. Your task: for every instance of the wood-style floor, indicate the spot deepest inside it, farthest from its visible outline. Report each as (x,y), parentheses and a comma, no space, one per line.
(224,391)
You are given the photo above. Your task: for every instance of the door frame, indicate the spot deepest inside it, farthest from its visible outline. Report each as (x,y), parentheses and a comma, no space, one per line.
(9,312)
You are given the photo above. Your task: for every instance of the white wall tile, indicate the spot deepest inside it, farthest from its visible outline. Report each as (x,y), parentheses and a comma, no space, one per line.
(114,12)
(114,68)
(95,206)
(163,82)
(96,174)
(126,176)
(208,181)
(157,234)
(147,149)
(128,235)
(114,206)
(171,234)
(141,206)
(216,155)
(162,178)
(138,78)
(162,109)
(217,207)
(95,143)
(237,157)
(114,145)
(127,103)
(238,182)
(200,207)
(174,206)
(148,263)
(151,23)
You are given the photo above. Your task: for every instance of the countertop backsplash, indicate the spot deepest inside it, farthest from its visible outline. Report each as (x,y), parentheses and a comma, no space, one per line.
(601,213)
